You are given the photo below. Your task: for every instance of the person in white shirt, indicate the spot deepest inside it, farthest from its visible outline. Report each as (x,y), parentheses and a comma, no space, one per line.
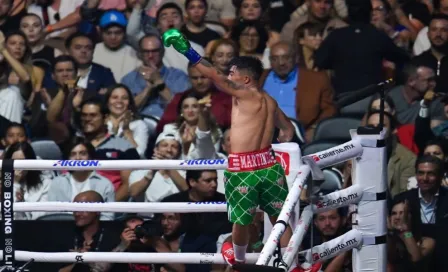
(29,186)
(113,52)
(67,186)
(154,185)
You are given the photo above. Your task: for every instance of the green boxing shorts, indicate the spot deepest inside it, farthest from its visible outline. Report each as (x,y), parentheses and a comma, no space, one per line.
(252,180)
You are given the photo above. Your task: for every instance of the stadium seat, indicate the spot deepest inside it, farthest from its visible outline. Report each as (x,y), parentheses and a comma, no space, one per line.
(333,181)
(47,149)
(151,122)
(317,146)
(57,217)
(336,128)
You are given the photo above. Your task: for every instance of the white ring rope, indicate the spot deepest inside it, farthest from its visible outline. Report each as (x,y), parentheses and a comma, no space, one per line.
(323,159)
(125,257)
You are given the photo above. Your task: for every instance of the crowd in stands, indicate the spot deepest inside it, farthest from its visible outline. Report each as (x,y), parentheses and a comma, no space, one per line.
(92,80)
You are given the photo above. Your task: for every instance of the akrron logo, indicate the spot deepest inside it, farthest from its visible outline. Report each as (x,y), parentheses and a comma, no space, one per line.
(284,160)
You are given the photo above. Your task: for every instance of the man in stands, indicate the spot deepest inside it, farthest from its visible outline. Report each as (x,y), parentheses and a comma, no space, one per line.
(91,235)
(108,147)
(154,84)
(155,185)
(330,225)
(201,229)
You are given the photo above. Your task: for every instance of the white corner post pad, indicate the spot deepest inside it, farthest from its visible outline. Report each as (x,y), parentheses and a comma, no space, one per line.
(369,172)
(297,238)
(348,241)
(282,220)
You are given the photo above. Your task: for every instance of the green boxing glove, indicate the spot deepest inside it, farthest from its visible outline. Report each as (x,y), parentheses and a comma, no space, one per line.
(175,38)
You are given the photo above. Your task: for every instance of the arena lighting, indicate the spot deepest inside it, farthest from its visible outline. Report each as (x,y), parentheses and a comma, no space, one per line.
(366,239)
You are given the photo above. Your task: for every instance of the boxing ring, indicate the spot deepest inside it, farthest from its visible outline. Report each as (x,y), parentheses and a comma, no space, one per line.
(366,197)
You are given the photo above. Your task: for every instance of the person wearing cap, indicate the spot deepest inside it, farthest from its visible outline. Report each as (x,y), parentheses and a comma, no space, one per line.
(113,52)
(154,185)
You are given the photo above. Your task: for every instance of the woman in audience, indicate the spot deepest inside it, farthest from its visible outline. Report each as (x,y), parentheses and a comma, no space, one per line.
(252,39)
(196,143)
(393,22)
(42,55)
(65,187)
(408,250)
(221,53)
(308,37)
(17,45)
(123,119)
(29,186)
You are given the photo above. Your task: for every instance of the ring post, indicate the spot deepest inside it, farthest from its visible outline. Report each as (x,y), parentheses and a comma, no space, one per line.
(7,212)
(370,173)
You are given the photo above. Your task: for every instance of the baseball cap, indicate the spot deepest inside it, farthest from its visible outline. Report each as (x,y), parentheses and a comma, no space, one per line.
(168,136)
(113,17)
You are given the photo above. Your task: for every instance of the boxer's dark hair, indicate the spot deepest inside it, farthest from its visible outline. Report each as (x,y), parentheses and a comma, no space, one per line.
(250,65)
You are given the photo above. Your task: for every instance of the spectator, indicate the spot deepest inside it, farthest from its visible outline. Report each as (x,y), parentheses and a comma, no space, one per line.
(316,11)
(221,103)
(301,94)
(90,234)
(252,38)
(307,39)
(67,97)
(435,56)
(108,147)
(400,166)
(428,195)
(12,97)
(133,240)
(384,19)
(438,149)
(172,230)
(195,29)
(65,187)
(330,225)
(154,84)
(408,250)
(29,185)
(201,230)
(405,133)
(14,133)
(221,53)
(123,119)
(113,52)
(422,42)
(367,45)
(169,15)
(196,127)
(154,185)
(42,55)
(9,22)
(52,11)
(17,45)
(418,80)
(94,78)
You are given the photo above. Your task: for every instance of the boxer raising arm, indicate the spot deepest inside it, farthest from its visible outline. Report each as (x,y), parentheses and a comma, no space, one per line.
(253,177)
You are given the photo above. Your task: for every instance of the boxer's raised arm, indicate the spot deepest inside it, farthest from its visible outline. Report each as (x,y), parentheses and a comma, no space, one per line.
(221,81)
(175,38)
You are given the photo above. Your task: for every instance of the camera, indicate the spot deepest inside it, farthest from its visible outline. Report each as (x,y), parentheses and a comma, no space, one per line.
(148,229)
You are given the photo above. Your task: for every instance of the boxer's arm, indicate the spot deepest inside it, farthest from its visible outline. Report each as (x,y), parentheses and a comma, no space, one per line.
(284,124)
(221,81)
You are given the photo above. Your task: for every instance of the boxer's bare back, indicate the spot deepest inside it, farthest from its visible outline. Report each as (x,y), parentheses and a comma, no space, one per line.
(254,113)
